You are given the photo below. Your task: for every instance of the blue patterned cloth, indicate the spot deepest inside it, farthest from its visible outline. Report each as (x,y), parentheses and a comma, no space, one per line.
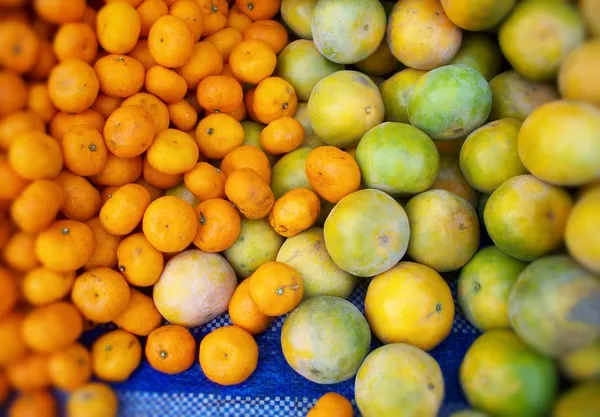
(275,389)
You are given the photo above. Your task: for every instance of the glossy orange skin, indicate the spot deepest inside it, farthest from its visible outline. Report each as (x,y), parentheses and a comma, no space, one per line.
(191,13)
(220,93)
(274,98)
(218,225)
(120,76)
(259,9)
(325,166)
(140,263)
(122,213)
(244,313)
(82,199)
(101,294)
(295,211)
(282,136)
(141,316)
(270,31)
(247,156)
(73,85)
(252,60)
(205,60)
(276,288)
(171,349)
(171,41)
(251,195)
(180,218)
(205,181)
(84,150)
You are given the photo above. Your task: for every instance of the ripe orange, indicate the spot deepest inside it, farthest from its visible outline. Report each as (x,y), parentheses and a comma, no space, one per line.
(244,313)
(101,294)
(171,349)
(276,288)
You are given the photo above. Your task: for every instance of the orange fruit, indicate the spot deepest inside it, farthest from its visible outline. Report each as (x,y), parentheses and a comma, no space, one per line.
(84,150)
(46,61)
(12,184)
(30,373)
(154,106)
(274,98)
(238,20)
(182,114)
(93,400)
(63,122)
(259,9)
(159,179)
(205,181)
(269,31)
(325,166)
(228,355)
(295,211)
(140,263)
(13,92)
(19,46)
(129,131)
(105,253)
(170,224)
(140,316)
(166,84)
(89,17)
(8,285)
(173,152)
(171,349)
(214,14)
(150,11)
(75,40)
(13,345)
(34,155)
(225,40)
(171,41)
(276,288)
(219,93)
(154,192)
(118,27)
(247,156)
(219,225)
(82,199)
(35,403)
(218,134)
(65,246)
(331,405)
(16,123)
(70,367)
(37,206)
(190,13)
(101,294)
(250,193)
(118,171)
(205,60)
(141,53)
(52,327)
(42,286)
(115,355)
(39,102)
(244,313)
(124,210)
(252,61)
(19,254)
(60,11)
(119,76)
(106,105)
(282,135)
(73,85)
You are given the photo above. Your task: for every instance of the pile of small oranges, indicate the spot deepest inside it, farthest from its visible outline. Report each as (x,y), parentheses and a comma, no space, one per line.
(104,105)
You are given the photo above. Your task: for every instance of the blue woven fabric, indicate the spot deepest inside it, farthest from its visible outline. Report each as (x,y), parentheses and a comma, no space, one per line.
(275,389)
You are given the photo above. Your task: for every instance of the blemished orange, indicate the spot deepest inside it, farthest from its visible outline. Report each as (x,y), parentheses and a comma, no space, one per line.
(140,263)
(295,211)
(105,253)
(150,11)
(115,355)
(173,152)
(129,131)
(118,171)
(183,115)
(269,31)
(119,76)
(29,373)
(73,85)
(325,166)
(37,206)
(166,84)
(141,53)
(247,156)
(75,40)
(82,199)
(118,27)
(282,135)
(159,179)
(8,285)
(101,294)
(140,316)
(218,134)
(12,184)
(214,14)
(171,349)
(63,122)
(52,327)
(331,405)
(14,124)
(228,355)
(244,313)
(106,105)
(154,106)
(205,181)
(250,193)
(259,9)
(190,13)
(225,40)
(171,41)
(219,93)
(35,403)
(60,11)
(39,102)
(121,213)
(84,150)
(70,367)
(274,98)
(13,346)
(238,20)
(19,252)
(13,92)
(205,60)
(219,225)
(42,286)
(65,246)
(276,288)
(34,155)
(46,61)
(19,46)
(252,61)
(93,399)
(170,224)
